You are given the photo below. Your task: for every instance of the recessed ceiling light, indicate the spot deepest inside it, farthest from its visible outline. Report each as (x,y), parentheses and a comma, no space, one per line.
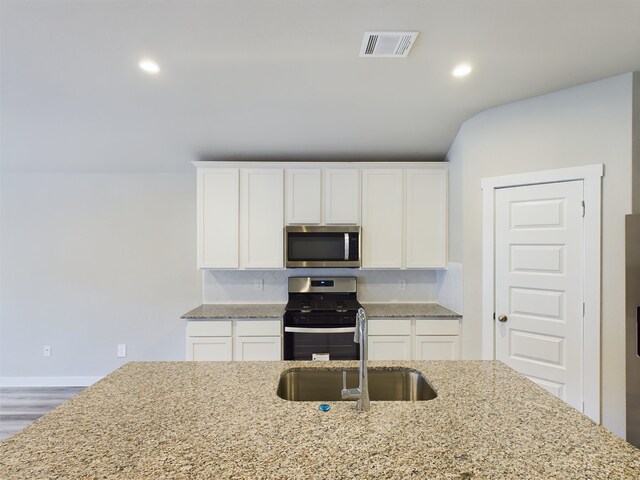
(461,70)
(149,66)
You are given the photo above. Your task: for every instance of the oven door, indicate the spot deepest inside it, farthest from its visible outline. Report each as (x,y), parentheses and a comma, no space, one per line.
(327,343)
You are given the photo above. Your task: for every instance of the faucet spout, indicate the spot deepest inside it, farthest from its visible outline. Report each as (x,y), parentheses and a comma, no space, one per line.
(361,393)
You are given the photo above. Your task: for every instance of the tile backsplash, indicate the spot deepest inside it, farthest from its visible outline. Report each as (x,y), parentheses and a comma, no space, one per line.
(270,286)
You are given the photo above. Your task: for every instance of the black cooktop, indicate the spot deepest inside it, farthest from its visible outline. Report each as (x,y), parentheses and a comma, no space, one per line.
(322,302)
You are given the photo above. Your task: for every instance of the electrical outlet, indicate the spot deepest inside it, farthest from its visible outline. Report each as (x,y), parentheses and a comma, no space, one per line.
(402,284)
(46,351)
(122,350)
(258,284)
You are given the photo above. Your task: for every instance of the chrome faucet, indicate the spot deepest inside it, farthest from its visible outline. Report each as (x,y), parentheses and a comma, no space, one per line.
(361,393)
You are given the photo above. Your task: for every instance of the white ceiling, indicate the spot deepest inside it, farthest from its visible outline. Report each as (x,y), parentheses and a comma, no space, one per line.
(281,79)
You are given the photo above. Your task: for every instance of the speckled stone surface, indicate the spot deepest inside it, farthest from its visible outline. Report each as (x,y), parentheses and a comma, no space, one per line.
(209,420)
(222,311)
(408,310)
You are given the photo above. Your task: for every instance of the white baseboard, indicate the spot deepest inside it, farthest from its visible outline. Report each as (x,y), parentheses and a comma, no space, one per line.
(48,381)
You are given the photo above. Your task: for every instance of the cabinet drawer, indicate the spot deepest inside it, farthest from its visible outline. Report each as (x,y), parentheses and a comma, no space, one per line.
(258,328)
(214,328)
(437,327)
(378,326)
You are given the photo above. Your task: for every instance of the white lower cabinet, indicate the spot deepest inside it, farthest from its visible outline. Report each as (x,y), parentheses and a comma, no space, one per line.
(209,349)
(389,339)
(257,340)
(437,339)
(414,339)
(226,340)
(390,347)
(209,340)
(437,347)
(257,348)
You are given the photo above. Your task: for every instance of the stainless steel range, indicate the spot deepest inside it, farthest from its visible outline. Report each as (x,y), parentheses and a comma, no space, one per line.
(320,319)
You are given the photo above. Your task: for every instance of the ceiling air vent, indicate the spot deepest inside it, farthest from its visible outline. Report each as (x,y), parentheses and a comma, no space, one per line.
(387,44)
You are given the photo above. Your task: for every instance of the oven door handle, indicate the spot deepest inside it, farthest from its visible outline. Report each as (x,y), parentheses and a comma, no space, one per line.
(319,330)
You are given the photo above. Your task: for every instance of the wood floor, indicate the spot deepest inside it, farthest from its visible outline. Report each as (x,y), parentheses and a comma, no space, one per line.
(19,406)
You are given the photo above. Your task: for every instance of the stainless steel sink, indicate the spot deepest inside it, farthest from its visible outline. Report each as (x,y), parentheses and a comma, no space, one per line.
(325,385)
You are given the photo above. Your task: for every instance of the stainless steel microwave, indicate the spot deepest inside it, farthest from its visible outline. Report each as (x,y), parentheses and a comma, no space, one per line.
(310,246)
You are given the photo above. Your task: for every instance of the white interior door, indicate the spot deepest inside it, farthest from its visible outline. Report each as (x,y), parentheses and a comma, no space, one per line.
(539,278)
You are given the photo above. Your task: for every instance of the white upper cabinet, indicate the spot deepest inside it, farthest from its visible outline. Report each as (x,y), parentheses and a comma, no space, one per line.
(382,218)
(323,197)
(426,227)
(304,196)
(341,197)
(262,226)
(242,211)
(218,214)
(240,218)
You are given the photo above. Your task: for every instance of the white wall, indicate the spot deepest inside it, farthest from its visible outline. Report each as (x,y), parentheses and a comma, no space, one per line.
(583,125)
(90,261)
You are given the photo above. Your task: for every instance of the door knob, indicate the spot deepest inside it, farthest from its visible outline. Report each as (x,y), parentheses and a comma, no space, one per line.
(503,318)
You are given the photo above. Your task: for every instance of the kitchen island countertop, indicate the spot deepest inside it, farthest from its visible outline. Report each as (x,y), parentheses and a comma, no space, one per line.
(187,420)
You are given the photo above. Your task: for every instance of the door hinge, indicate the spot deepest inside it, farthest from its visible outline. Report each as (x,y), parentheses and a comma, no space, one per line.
(583,208)
(583,308)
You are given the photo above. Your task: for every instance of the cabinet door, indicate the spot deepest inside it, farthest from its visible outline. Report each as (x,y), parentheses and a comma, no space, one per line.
(389,347)
(341,197)
(217,212)
(426,207)
(382,218)
(304,196)
(262,231)
(437,347)
(209,348)
(258,348)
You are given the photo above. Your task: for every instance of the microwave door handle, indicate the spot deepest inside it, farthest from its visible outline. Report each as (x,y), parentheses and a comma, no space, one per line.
(319,330)
(346,246)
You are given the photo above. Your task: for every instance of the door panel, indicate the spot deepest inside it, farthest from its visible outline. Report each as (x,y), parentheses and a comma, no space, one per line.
(539,248)
(537,258)
(554,388)
(534,347)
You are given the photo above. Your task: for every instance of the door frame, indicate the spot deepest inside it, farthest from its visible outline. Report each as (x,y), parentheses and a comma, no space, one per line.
(591,176)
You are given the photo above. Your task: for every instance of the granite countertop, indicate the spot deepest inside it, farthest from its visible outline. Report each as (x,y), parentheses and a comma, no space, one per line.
(408,310)
(188,420)
(210,311)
